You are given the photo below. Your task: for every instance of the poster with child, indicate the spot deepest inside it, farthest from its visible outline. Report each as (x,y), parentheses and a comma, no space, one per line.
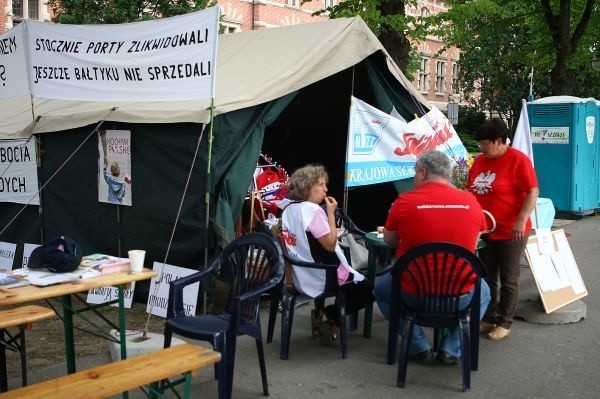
(114,166)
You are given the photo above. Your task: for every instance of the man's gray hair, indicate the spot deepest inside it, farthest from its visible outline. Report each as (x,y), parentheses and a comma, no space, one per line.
(435,163)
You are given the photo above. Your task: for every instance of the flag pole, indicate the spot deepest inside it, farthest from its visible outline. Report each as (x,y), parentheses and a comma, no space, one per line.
(522,138)
(345,195)
(530,97)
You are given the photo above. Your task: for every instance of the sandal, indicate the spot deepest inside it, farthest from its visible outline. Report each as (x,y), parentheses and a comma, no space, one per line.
(499,333)
(315,322)
(329,332)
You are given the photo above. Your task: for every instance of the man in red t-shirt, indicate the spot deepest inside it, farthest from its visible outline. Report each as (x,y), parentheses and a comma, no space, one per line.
(433,211)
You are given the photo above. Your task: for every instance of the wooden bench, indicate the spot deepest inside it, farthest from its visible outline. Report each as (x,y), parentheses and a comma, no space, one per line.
(21,317)
(123,375)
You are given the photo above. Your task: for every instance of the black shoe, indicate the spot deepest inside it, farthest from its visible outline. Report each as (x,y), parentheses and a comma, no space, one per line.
(445,358)
(421,356)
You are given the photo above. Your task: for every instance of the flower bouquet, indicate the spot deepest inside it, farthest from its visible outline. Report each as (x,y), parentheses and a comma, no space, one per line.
(460,172)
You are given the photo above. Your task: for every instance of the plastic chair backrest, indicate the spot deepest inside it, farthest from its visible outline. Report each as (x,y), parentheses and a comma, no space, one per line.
(248,264)
(287,274)
(344,221)
(440,274)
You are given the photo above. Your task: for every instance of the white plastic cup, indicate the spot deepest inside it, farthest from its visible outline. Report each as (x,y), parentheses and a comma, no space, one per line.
(136,260)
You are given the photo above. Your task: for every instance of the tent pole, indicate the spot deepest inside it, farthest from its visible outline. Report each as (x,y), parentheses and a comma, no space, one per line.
(207,194)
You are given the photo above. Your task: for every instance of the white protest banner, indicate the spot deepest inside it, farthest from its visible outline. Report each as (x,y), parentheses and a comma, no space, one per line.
(18,181)
(158,297)
(165,59)
(14,81)
(7,255)
(382,148)
(433,131)
(27,250)
(110,293)
(114,166)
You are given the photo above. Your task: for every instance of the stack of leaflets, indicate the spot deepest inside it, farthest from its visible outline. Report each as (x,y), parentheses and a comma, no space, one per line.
(44,277)
(105,264)
(12,280)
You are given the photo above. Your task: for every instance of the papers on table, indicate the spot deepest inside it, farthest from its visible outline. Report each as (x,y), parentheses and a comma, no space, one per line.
(12,281)
(43,277)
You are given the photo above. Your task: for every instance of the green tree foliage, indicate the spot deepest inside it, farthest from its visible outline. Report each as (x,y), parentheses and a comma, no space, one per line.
(120,11)
(388,20)
(470,118)
(502,40)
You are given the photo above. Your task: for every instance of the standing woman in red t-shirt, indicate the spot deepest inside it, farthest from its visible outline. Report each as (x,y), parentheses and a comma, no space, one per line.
(504,182)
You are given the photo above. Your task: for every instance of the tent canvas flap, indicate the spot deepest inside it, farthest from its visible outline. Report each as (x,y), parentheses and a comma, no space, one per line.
(253,68)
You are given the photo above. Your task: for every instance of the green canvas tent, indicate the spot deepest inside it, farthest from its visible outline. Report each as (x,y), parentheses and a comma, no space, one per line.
(284,90)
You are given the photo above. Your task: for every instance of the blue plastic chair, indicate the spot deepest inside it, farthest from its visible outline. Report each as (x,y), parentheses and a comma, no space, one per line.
(250,265)
(446,269)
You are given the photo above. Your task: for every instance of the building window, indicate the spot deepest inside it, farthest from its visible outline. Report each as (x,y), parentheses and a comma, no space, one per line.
(17,8)
(455,89)
(292,3)
(33,10)
(424,12)
(424,75)
(25,9)
(440,76)
(229,27)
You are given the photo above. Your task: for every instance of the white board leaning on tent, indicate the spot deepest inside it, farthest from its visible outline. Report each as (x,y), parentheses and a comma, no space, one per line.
(158,296)
(554,269)
(7,255)
(111,293)
(27,250)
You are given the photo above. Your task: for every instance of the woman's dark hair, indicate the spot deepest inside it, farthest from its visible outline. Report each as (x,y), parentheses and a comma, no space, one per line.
(492,129)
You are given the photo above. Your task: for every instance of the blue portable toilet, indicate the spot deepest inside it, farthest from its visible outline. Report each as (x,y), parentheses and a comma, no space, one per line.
(598,147)
(564,136)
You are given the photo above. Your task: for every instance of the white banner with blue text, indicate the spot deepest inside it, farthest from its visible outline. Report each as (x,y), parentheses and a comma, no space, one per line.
(382,148)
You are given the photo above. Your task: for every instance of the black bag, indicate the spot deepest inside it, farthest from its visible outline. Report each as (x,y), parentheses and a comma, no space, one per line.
(59,255)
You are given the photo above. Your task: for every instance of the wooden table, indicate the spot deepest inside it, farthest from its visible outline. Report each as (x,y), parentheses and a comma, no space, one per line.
(66,290)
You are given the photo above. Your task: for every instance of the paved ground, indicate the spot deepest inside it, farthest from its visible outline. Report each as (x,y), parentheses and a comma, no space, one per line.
(537,361)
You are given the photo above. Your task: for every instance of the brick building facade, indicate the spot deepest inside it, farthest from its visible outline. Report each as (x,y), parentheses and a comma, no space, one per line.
(436,78)
(243,15)
(14,11)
